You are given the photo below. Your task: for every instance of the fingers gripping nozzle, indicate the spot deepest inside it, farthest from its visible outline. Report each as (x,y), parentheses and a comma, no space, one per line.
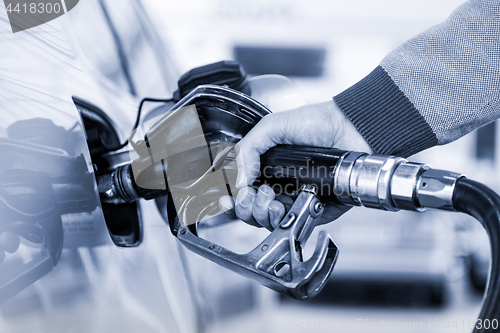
(277,262)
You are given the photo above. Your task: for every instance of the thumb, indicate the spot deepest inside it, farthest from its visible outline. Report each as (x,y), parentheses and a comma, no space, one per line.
(317,125)
(265,135)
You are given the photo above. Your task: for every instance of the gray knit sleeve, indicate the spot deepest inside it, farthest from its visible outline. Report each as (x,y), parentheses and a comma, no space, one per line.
(443,84)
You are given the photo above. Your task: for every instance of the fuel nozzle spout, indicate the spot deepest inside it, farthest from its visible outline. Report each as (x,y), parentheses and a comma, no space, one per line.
(120,186)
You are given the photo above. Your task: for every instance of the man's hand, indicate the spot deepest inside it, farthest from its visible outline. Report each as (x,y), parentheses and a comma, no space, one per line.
(319,125)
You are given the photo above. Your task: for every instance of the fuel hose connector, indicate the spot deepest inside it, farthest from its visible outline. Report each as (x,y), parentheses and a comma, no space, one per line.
(392,183)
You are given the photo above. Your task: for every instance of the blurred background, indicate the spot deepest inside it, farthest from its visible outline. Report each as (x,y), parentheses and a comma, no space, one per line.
(401,267)
(421,272)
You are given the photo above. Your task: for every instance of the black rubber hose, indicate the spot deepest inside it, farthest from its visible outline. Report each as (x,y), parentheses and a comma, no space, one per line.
(482,203)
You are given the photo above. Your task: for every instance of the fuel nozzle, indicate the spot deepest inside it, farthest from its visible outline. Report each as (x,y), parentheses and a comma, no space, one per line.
(187,157)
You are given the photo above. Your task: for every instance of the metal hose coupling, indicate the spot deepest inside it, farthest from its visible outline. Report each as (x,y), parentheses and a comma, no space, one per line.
(392,183)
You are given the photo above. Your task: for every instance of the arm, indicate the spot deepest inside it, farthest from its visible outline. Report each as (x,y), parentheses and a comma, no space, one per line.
(433,89)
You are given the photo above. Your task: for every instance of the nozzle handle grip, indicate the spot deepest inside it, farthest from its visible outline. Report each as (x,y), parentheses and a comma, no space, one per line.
(292,166)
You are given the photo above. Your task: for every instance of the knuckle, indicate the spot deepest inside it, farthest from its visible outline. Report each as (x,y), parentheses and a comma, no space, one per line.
(243,213)
(260,213)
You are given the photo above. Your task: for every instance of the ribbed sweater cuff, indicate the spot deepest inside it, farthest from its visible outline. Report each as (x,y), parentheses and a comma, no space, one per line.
(385,117)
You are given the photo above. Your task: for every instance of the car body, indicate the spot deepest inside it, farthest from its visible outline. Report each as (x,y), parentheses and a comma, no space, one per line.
(69,263)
